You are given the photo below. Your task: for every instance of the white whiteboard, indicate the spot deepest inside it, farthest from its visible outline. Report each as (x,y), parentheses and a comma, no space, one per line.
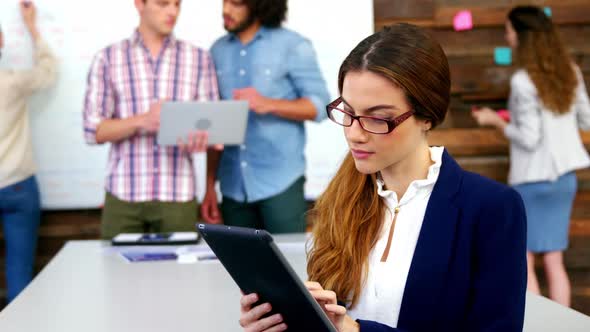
(70,173)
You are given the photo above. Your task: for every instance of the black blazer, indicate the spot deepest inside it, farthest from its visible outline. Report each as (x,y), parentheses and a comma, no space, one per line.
(469,271)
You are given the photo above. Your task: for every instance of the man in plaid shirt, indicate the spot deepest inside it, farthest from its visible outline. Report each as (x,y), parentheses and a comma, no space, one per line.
(149,188)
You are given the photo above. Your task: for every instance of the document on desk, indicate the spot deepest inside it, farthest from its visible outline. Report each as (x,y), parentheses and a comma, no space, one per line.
(135,257)
(196,254)
(186,254)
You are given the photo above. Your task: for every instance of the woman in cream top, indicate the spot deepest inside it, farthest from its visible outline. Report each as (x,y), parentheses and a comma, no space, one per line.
(19,195)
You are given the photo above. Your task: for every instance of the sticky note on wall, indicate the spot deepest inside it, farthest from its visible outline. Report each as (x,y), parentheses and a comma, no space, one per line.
(547,11)
(463,20)
(503,56)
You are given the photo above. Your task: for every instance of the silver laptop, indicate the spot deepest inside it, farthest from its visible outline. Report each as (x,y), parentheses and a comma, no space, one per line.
(224,120)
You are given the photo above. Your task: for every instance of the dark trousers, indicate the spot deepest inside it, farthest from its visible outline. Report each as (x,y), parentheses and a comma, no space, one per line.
(282,213)
(119,216)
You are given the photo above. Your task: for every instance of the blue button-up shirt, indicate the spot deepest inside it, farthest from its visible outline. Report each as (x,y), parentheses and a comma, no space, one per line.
(279,64)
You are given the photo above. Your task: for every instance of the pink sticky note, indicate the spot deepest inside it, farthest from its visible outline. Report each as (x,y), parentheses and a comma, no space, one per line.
(463,21)
(504,114)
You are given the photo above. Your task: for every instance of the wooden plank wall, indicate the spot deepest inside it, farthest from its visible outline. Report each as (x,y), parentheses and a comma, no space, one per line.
(476,80)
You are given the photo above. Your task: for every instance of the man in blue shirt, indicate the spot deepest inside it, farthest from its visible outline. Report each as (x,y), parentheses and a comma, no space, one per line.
(277,72)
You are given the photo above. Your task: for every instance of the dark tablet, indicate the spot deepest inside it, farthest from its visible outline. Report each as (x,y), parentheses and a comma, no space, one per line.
(152,239)
(255,263)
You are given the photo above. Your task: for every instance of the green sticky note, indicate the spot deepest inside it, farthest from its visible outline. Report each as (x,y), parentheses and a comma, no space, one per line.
(547,11)
(503,56)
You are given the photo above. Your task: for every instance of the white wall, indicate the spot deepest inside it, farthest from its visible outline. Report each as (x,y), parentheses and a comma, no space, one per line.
(71,174)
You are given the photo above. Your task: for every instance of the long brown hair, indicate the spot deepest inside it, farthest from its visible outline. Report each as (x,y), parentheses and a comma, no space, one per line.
(348,216)
(542,54)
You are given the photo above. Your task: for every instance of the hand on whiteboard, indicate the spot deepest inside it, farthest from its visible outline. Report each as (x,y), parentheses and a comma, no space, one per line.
(210,208)
(29,13)
(197,142)
(150,121)
(257,102)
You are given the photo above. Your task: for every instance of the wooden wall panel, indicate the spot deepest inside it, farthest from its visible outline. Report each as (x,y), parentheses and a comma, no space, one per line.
(403,9)
(481,42)
(493,13)
(478,142)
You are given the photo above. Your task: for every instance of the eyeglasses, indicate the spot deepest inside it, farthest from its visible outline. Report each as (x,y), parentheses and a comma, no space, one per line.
(372,124)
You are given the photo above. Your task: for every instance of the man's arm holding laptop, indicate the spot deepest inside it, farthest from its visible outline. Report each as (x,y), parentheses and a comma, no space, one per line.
(115,130)
(209,207)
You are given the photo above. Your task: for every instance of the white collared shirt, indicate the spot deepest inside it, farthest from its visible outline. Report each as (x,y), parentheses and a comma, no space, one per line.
(383,291)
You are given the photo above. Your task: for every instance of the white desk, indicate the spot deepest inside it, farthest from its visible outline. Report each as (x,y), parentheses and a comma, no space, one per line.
(88,287)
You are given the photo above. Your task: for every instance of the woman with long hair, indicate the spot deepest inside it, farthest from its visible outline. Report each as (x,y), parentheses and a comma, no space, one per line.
(403,238)
(548,103)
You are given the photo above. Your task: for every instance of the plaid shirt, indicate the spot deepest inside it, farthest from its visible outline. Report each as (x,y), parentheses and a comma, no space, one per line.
(123,82)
